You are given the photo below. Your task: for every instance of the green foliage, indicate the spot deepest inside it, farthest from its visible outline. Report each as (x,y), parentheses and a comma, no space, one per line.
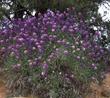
(55,83)
(18,6)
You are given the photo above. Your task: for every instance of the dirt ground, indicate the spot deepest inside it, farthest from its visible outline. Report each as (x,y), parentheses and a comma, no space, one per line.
(2,87)
(2,90)
(102,90)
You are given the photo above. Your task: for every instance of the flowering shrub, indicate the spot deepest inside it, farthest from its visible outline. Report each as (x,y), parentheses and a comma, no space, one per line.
(58,45)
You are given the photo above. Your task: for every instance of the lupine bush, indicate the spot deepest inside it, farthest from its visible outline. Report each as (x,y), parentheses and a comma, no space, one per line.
(53,55)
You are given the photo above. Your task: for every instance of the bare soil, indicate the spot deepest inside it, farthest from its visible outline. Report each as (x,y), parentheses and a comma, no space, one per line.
(3,90)
(100,90)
